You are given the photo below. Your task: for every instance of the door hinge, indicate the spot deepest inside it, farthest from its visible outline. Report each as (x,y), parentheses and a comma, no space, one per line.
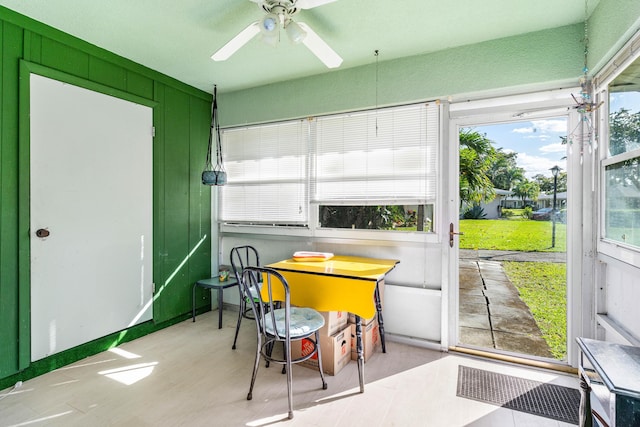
(153,288)
(153,131)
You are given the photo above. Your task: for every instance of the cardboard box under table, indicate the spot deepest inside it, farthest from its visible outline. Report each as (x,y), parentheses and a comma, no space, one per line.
(334,321)
(335,349)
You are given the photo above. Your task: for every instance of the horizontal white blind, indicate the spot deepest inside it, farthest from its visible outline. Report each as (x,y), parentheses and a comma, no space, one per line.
(375,157)
(267,174)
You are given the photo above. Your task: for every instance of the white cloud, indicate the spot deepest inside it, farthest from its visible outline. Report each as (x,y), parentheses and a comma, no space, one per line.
(543,127)
(540,136)
(523,130)
(534,165)
(551,126)
(558,147)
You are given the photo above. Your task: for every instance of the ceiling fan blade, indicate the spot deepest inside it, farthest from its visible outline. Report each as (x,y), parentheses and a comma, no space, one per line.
(310,4)
(237,42)
(319,48)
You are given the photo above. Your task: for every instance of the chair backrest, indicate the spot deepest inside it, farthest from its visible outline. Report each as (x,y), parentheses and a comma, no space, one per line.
(275,301)
(242,257)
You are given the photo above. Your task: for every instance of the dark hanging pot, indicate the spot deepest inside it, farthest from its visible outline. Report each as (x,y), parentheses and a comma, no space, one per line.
(214,175)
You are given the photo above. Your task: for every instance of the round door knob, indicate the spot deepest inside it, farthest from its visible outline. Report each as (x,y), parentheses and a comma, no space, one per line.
(42,232)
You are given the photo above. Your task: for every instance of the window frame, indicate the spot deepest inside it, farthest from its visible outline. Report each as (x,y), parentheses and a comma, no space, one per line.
(313,229)
(619,250)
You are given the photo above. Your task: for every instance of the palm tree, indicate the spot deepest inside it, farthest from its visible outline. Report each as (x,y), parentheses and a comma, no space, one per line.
(476,157)
(527,190)
(505,173)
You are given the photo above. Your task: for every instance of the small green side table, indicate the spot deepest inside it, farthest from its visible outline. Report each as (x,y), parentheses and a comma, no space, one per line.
(212,283)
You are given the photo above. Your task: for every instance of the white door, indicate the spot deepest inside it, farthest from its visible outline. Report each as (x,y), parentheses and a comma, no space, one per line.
(91,215)
(512,110)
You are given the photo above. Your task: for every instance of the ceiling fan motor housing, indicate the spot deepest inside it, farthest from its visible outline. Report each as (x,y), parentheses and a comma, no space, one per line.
(286,8)
(279,15)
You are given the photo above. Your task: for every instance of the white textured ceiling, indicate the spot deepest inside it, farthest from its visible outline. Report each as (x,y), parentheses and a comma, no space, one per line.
(178,37)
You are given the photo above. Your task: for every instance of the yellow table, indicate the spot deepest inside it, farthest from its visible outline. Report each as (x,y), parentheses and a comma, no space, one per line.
(342,283)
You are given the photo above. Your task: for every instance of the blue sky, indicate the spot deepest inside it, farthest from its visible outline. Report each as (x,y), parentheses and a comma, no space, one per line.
(537,143)
(628,100)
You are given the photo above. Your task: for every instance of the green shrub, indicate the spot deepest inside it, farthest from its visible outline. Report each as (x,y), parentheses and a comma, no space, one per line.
(527,212)
(475,212)
(506,213)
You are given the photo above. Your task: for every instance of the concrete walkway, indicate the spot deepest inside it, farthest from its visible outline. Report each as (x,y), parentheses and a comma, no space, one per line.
(492,315)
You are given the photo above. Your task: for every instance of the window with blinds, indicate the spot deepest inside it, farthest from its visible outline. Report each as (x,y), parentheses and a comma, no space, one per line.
(386,156)
(267,170)
(384,159)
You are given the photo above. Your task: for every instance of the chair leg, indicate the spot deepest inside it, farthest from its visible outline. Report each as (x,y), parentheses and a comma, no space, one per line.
(240,313)
(269,350)
(287,355)
(256,365)
(324,383)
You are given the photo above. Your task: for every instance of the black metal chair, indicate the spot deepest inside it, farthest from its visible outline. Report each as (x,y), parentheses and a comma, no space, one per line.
(242,257)
(277,321)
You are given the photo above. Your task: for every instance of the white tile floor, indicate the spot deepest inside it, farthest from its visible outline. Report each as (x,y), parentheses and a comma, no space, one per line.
(189,375)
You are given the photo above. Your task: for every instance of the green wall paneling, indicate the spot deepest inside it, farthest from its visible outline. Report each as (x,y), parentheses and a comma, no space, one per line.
(64,58)
(68,58)
(139,84)
(173,284)
(32,47)
(10,51)
(107,73)
(159,252)
(199,200)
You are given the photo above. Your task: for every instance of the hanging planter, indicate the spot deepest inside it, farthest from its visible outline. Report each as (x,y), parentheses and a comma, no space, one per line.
(214,175)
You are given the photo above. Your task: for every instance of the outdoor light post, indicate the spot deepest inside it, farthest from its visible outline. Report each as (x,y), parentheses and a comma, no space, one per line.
(554,170)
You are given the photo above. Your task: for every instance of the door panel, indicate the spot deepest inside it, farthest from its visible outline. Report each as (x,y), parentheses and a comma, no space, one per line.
(91,199)
(477,276)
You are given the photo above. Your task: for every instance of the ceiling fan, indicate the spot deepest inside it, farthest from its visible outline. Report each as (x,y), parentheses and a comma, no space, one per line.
(279,14)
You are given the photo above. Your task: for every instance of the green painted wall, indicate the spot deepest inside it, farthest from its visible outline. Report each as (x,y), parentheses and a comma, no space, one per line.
(610,26)
(182,205)
(551,58)
(541,60)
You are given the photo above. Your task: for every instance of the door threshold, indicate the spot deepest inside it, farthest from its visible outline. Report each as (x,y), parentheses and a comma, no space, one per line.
(560,367)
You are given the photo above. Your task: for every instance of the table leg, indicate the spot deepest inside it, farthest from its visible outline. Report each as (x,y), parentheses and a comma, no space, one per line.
(360,352)
(220,308)
(380,319)
(193,302)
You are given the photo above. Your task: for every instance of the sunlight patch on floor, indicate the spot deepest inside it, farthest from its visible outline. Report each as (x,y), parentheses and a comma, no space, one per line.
(130,374)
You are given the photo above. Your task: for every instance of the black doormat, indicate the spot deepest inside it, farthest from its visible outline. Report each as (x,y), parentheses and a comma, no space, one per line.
(546,400)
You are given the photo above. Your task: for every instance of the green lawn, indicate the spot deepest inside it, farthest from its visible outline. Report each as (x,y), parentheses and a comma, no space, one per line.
(542,286)
(516,234)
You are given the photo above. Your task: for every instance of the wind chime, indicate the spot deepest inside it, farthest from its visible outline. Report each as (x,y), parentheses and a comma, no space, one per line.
(214,175)
(585,131)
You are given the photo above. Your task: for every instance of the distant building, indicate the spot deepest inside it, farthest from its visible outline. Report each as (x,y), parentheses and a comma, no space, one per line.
(506,200)
(546,201)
